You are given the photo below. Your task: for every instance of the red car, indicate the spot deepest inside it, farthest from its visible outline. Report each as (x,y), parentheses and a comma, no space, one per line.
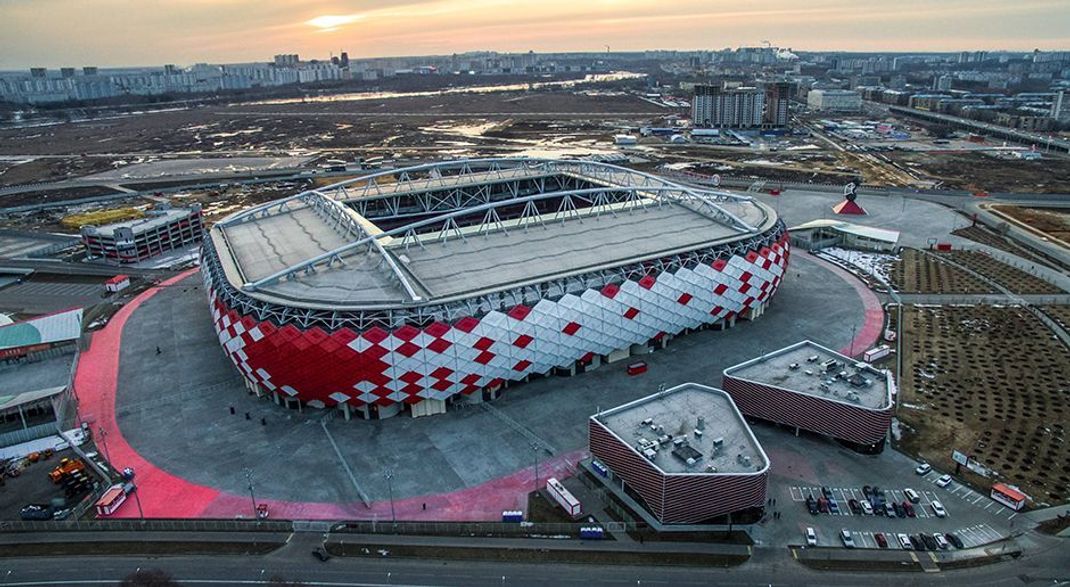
(637,368)
(909,508)
(881,540)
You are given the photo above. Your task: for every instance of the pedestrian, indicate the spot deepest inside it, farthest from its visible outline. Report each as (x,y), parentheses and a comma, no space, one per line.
(425,507)
(158,351)
(774,501)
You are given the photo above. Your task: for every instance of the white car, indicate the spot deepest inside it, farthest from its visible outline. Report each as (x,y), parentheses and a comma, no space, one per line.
(848,539)
(943,481)
(811,537)
(923,468)
(904,541)
(866,507)
(941,541)
(938,509)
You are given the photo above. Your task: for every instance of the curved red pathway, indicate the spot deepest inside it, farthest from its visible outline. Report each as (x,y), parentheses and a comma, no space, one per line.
(164,495)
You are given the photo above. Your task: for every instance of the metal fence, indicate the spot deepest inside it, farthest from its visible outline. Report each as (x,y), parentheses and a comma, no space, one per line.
(518,529)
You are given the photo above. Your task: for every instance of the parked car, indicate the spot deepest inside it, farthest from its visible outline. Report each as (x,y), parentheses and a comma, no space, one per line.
(866,508)
(811,505)
(889,510)
(943,481)
(938,509)
(35,511)
(826,492)
(916,543)
(823,505)
(912,495)
(930,542)
(834,506)
(847,538)
(867,491)
(908,509)
(899,511)
(904,541)
(941,542)
(954,539)
(923,469)
(811,537)
(855,508)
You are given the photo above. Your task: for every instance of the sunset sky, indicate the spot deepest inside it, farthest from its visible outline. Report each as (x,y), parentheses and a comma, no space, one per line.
(53,33)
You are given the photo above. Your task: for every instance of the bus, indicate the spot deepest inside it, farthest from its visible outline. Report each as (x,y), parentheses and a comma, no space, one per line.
(1009,496)
(114,497)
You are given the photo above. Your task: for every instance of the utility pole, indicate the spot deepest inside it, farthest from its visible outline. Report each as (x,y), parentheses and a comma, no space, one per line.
(104,444)
(249,479)
(389,474)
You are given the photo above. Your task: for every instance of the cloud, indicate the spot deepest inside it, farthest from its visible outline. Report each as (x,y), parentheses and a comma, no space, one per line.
(331,22)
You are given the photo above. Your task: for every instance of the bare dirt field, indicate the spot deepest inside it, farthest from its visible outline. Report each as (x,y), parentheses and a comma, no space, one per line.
(50,169)
(1054,222)
(986,236)
(993,383)
(978,171)
(1009,277)
(917,272)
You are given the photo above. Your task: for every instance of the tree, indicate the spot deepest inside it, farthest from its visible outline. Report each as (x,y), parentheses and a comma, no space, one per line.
(149,578)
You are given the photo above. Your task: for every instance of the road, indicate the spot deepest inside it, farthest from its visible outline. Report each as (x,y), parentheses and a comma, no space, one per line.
(1045,563)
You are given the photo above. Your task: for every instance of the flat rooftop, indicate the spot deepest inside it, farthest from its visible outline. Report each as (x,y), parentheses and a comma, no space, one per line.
(155,219)
(669,420)
(800,368)
(503,257)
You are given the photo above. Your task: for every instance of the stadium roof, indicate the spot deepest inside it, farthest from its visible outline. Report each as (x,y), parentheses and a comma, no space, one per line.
(58,327)
(315,250)
(676,413)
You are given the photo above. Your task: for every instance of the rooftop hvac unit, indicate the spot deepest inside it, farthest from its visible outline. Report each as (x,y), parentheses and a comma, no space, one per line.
(690,461)
(824,387)
(664,439)
(678,441)
(811,359)
(650,454)
(701,423)
(739,458)
(648,421)
(829,365)
(698,433)
(793,366)
(654,428)
(809,372)
(746,461)
(718,442)
(711,469)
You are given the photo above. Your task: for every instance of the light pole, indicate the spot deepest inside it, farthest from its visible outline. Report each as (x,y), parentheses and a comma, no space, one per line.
(535,450)
(104,444)
(389,474)
(249,479)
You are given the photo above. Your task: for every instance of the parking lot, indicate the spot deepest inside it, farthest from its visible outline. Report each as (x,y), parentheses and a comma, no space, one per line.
(805,465)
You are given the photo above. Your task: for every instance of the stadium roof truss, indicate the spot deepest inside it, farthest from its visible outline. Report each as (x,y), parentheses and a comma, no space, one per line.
(446,192)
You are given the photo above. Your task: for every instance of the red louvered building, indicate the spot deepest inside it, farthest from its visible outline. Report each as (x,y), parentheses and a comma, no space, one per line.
(813,388)
(686,454)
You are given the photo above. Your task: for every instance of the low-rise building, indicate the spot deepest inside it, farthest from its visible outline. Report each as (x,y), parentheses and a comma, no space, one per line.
(834,100)
(685,454)
(134,241)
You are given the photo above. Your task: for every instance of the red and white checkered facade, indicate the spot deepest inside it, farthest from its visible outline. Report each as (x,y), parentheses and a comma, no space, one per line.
(440,359)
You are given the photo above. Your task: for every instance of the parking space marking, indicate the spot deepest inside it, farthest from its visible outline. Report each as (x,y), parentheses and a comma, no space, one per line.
(796,494)
(1001,510)
(989,504)
(979,498)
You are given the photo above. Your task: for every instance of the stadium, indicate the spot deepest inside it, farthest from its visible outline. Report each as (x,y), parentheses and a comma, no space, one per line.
(411,288)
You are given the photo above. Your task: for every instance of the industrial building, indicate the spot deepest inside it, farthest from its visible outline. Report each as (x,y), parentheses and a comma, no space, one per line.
(813,388)
(685,454)
(417,286)
(718,107)
(823,232)
(138,240)
(834,100)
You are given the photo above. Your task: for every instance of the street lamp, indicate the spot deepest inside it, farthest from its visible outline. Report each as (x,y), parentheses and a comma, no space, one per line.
(104,444)
(535,449)
(389,474)
(249,479)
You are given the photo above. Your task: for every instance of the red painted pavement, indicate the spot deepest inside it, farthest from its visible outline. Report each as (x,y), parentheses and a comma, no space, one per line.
(873,325)
(164,495)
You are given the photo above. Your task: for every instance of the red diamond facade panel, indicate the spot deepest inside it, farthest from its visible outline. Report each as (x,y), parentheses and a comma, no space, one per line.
(439,360)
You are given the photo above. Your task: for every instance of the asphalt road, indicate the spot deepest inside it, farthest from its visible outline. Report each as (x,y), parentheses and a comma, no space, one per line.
(1046,563)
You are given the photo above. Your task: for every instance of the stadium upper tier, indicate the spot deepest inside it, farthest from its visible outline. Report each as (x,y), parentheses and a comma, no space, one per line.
(458,230)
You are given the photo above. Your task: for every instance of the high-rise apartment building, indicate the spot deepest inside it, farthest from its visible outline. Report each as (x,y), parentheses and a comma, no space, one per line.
(716,107)
(777,98)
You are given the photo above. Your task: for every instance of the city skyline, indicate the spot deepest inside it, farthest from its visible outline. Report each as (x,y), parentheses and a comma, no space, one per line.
(54,33)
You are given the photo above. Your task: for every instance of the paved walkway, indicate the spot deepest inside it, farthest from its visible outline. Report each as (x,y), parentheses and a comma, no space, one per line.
(869,333)
(164,495)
